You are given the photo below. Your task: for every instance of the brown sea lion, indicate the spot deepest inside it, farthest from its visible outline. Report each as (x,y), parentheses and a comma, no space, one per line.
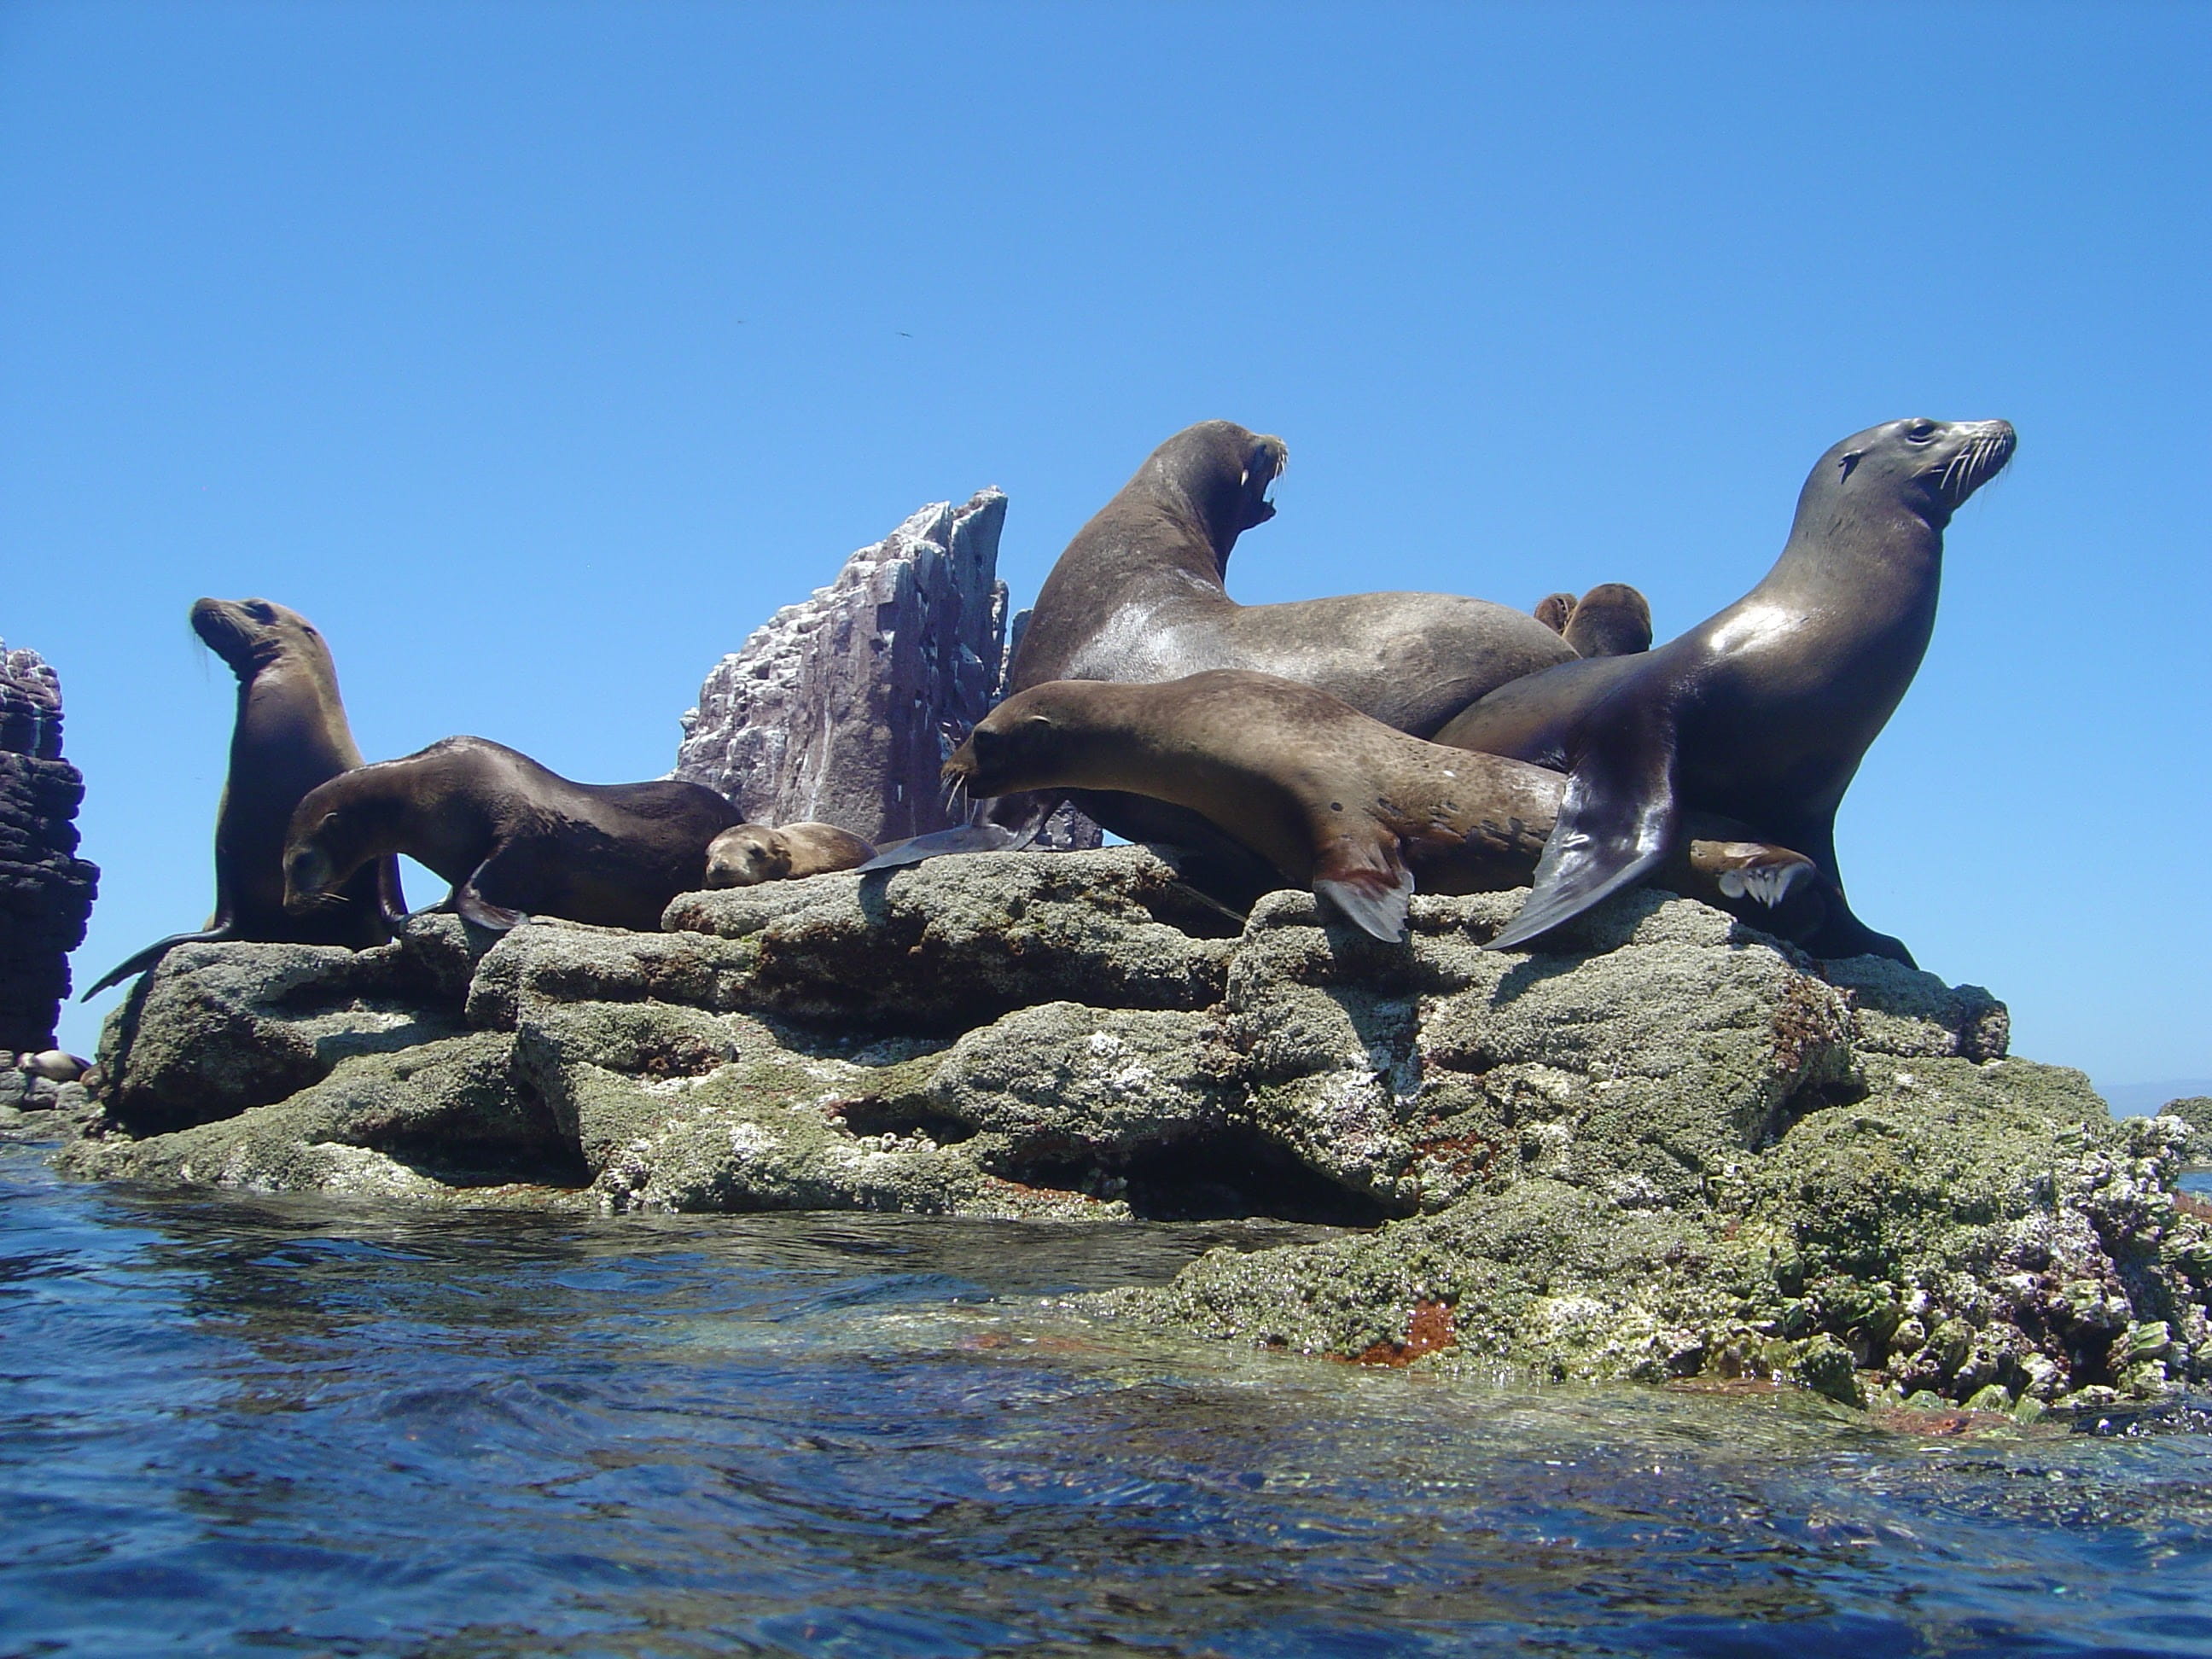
(1137,595)
(1762,713)
(290,735)
(751,853)
(512,837)
(1332,799)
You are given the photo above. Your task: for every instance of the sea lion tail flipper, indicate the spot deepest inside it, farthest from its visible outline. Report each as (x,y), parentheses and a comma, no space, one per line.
(1372,892)
(141,961)
(1614,827)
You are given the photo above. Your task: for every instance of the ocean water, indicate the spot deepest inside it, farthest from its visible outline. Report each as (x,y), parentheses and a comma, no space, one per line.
(242,1426)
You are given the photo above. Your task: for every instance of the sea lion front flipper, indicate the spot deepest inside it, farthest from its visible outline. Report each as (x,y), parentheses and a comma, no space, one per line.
(472,907)
(1614,827)
(391,899)
(139,962)
(1369,882)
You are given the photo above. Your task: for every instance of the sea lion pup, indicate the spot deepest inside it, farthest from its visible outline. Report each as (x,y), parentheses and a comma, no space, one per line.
(512,837)
(1762,713)
(751,853)
(1333,800)
(289,735)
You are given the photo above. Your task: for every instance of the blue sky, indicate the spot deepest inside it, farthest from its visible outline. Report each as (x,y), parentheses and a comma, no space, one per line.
(537,352)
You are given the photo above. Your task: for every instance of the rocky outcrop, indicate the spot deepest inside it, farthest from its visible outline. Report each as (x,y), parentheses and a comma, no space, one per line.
(843,706)
(1668,1147)
(46,890)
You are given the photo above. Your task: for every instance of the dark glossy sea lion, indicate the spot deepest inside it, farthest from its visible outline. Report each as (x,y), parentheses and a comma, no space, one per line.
(513,838)
(1762,714)
(749,854)
(290,734)
(1362,814)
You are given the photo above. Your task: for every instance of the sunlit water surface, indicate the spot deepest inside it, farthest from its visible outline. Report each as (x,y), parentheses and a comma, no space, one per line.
(245,1426)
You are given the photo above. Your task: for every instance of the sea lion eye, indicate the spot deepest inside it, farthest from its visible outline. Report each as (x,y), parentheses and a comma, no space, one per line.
(1921,431)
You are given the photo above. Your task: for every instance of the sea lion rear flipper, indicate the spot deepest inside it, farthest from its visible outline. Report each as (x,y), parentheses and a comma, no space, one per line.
(1615,825)
(960,838)
(141,961)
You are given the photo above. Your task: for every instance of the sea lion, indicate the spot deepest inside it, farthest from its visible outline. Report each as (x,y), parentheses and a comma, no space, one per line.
(55,1065)
(1359,813)
(751,853)
(289,735)
(1137,595)
(1762,713)
(1612,620)
(510,836)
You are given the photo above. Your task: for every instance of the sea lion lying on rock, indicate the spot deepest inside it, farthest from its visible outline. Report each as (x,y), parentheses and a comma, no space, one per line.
(751,853)
(512,837)
(1762,713)
(1332,799)
(290,735)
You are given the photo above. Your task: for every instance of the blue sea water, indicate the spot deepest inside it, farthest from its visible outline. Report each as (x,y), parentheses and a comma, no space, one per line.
(247,1426)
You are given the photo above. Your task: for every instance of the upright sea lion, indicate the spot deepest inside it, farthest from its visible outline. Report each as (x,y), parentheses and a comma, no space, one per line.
(1332,799)
(751,854)
(290,734)
(1763,713)
(510,836)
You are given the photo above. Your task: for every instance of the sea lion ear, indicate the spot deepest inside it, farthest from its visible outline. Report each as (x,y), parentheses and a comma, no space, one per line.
(329,821)
(1850,460)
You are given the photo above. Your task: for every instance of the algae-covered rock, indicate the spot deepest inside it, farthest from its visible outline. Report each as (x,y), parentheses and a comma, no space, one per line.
(215,1029)
(1664,1147)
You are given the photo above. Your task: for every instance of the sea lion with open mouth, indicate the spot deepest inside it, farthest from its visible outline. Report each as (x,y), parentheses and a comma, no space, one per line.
(1761,714)
(1333,800)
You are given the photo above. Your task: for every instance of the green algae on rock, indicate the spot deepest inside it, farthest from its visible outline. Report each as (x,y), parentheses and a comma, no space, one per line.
(1667,1147)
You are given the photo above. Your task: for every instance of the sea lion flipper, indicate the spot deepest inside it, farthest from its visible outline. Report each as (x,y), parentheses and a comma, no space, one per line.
(1620,816)
(139,962)
(960,838)
(1368,880)
(1373,900)
(391,898)
(471,906)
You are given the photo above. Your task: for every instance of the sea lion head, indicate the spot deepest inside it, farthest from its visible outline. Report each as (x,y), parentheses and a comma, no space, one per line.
(747,855)
(1930,466)
(1220,473)
(1033,740)
(334,830)
(250,634)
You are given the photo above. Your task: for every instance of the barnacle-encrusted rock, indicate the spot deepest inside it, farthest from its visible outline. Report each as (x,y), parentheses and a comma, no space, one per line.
(1669,1147)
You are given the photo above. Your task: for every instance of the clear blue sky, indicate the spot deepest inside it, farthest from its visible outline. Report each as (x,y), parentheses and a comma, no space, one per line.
(538,351)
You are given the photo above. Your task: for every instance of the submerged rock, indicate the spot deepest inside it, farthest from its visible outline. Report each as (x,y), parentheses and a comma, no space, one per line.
(1668,1148)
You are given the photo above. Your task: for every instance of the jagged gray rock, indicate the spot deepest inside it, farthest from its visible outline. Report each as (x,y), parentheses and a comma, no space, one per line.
(1668,1147)
(45,890)
(843,706)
